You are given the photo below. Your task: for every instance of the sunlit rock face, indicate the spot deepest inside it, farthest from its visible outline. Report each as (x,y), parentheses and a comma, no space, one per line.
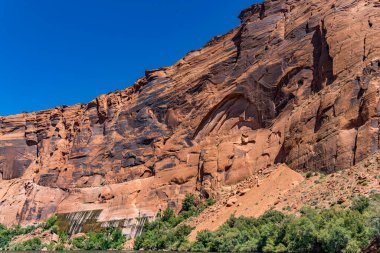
(297,82)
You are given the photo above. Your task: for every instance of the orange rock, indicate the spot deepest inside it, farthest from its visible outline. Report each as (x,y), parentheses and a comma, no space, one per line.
(244,191)
(295,83)
(55,238)
(78,235)
(231,201)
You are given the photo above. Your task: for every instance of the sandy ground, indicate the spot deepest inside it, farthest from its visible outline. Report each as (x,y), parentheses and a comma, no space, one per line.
(253,200)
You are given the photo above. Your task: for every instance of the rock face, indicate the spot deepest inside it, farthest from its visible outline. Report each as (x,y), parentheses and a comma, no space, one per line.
(297,82)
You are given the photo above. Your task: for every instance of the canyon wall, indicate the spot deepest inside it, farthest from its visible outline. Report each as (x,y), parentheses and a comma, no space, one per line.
(297,82)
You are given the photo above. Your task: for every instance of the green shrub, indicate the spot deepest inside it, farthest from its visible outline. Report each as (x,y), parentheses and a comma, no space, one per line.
(309,174)
(50,222)
(300,235)
(188,202)
(110,238)
(210,202)
(6,235)
(166,233)
(202,243)
(352,247)
(60,246)
(50,246)
(168,214)
(32,244)
(316,230)
(360,204)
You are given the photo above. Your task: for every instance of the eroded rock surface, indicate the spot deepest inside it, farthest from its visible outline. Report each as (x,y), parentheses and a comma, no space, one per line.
(297,82)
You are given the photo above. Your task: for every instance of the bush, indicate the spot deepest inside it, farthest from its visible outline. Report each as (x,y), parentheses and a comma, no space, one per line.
(32,244)
(50,222)
(309,174)
(360,204)
(60,246)
(316,230)
(168,214)
(202,243)
(165,232)
(110,238)
(189,202)
(6,235)
(300,235)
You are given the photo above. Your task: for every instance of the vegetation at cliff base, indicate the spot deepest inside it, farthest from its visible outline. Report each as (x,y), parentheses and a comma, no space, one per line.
(336,229)
(6,235)
(167,232)
(314,230)
(109,238)
(105,239)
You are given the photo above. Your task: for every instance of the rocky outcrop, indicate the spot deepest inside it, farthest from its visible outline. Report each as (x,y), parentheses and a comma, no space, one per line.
(297,82)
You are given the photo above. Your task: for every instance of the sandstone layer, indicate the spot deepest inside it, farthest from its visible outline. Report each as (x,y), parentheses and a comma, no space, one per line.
(297,82)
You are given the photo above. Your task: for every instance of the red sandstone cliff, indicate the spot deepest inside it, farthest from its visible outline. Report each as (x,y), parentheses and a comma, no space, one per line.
(297,82)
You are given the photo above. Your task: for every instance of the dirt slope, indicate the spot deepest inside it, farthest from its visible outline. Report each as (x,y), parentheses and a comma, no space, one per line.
(250,198)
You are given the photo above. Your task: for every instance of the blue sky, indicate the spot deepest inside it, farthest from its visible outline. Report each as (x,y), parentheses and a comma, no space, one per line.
(70,51)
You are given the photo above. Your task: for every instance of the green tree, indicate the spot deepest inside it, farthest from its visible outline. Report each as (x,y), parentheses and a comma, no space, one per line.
(301,235)
(50,222)
(189,202)
(168,214)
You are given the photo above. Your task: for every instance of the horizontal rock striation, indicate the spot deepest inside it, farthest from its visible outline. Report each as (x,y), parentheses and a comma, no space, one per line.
(297,82)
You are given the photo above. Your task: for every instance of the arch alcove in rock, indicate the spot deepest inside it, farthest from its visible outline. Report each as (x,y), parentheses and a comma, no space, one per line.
(234,111)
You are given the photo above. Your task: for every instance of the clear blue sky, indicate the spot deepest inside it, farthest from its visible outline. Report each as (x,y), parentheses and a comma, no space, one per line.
(55,52)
